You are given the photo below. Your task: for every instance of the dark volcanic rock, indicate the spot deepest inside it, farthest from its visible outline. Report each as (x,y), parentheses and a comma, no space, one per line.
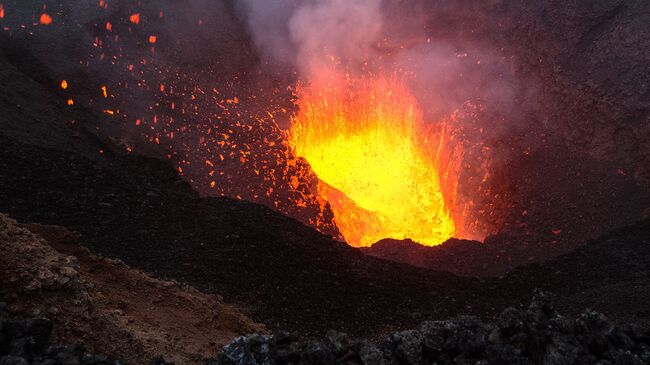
(495,257)
(537,335)
(26,341)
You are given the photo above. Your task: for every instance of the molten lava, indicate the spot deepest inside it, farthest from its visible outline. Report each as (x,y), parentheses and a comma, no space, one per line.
(45,19)
(379,167)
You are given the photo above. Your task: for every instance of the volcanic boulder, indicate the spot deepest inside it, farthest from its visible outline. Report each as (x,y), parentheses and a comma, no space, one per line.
(27,341)
(536,335)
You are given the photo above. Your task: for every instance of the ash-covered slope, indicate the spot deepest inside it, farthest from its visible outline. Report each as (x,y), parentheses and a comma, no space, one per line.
(610,274)
(495,257)
(103,304)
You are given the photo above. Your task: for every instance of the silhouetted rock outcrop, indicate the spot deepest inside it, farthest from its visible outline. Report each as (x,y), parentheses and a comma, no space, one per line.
(536,335)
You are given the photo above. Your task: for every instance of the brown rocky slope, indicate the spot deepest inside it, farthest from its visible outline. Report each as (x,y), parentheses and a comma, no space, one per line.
(106,305)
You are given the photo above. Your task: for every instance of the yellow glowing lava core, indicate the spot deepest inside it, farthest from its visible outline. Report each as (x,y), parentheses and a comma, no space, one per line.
(377,165)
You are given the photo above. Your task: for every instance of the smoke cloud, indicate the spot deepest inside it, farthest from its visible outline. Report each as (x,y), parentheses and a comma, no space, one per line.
(321,38)
(315,37)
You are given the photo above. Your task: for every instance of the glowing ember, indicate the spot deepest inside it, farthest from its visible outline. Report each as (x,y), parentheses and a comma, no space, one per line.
(152,39)
(45,19)
(64,85)
(378,166)
(135,18)
(2,11)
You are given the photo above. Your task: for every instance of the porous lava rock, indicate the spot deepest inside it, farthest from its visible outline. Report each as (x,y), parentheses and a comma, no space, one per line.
(27,341)
(535,335)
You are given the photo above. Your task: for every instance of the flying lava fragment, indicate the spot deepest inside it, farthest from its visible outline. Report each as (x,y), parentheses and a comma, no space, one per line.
(45,19)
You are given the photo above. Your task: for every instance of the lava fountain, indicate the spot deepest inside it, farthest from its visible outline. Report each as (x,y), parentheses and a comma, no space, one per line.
(381,168)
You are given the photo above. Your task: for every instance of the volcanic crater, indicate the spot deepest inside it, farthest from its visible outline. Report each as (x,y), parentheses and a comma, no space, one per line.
(177,177)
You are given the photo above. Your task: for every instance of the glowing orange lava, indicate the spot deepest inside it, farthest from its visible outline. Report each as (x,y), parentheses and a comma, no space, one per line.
(135,18)
(45,19)
(379,166)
